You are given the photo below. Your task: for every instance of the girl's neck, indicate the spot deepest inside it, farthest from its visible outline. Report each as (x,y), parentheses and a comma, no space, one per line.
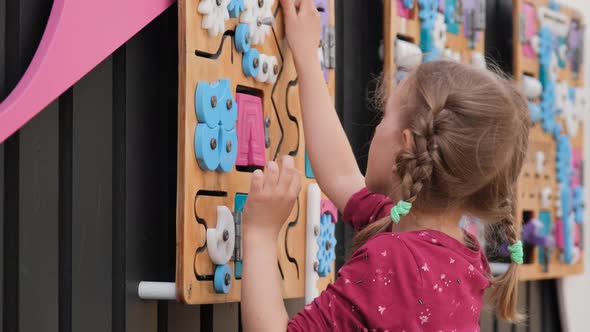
(447,223)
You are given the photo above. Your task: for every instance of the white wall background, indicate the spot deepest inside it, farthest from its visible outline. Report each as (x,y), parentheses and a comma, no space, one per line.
(575,291)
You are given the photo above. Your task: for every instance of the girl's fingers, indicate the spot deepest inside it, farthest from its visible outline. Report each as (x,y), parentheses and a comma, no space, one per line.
(287,171)
(289,10)
(306,4)
(257,182)
(271,175)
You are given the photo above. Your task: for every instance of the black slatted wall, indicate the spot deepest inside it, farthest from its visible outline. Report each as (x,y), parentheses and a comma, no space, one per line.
(87,187)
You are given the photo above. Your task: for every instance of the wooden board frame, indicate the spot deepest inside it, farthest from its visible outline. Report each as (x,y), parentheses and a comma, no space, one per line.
(199,192)
(529,184)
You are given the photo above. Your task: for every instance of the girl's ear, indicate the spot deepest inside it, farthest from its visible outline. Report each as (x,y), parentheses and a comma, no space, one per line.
(408,139)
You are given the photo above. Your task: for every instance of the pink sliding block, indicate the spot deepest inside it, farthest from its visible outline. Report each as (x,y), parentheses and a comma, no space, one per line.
(530,28)
(79,35)
(251,148)
(327,207)
(402,11)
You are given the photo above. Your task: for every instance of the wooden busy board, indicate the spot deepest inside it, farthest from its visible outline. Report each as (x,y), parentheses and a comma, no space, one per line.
(205,57)
(404,23)
(538,190)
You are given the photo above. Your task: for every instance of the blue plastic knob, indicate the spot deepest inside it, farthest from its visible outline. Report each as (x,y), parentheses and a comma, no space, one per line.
(207,147)
(242,37)
(222,279)
(251,62)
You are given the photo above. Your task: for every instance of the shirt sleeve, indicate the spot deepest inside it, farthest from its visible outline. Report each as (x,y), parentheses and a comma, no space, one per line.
(375,289)
(365,207)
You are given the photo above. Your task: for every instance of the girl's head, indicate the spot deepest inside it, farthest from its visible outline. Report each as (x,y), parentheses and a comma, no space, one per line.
(452,139)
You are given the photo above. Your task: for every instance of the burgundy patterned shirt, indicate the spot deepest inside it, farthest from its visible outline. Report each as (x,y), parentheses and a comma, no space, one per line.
(407,281)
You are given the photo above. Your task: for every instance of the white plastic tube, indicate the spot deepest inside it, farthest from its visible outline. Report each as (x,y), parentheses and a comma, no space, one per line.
(151,290)
(311,250)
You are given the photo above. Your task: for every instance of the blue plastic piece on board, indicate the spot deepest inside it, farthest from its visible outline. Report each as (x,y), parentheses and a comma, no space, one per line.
(228,112)
(568,241)
(408,4)
(545,46)
(228,150)
(251,62)
(222,279)
(207,146)
(553,5)
(327,244)
(238,269)
(242,37)
(240,202)
(427,13)
(535,112)
(545,218)
(431,52)
(572,93)
(308,170)
(235,7)
(207,101)
(450,16)
(579,204)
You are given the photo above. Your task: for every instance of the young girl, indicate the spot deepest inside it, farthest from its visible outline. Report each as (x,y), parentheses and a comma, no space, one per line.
(451,143)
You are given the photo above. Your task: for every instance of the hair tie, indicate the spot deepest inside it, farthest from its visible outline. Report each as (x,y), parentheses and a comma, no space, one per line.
(402,208)
(516,252)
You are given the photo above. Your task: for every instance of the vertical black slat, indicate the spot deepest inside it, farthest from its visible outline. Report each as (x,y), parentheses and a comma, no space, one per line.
(225,317)
(184,318)
(25,23)
(144,96)
(534,310)
(91,209)
(65,211)
(206,318)
(522,305)
(2,190)
(550,320)
(10,282)
(39,222)
(119,194)
(168,84)
(3,91)
(358,44)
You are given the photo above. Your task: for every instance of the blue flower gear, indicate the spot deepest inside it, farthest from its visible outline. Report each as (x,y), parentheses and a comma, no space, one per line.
(535,111)
(545,46)
(563,163)
(327,245)
(427,13)
(235,7)
(548,106)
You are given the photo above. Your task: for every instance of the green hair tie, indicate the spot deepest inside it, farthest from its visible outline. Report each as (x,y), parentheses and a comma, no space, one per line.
(516,252)
(402,208)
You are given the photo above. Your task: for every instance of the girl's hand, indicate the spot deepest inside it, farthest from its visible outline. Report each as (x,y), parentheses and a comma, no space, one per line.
(303,28)
(271,198)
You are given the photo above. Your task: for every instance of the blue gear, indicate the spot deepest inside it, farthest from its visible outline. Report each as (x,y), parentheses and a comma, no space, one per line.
(327,244)
(235,7)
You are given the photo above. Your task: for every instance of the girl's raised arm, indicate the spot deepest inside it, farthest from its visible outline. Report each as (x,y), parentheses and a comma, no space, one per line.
(330,154)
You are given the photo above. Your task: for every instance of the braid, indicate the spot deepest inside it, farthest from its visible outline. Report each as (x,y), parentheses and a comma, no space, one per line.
(414,166)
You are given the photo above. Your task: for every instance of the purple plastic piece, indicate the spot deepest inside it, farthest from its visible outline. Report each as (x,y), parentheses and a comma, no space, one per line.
(575,44)
(532,233)
(323,7)
(470,6)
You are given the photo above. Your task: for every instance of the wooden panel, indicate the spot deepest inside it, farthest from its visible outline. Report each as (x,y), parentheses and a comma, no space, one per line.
(38,245)
(91,203)
(281,106)
(530,184)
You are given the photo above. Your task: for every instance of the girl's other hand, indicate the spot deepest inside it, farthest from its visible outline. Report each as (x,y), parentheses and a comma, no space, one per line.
(303,27)
(271,198)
